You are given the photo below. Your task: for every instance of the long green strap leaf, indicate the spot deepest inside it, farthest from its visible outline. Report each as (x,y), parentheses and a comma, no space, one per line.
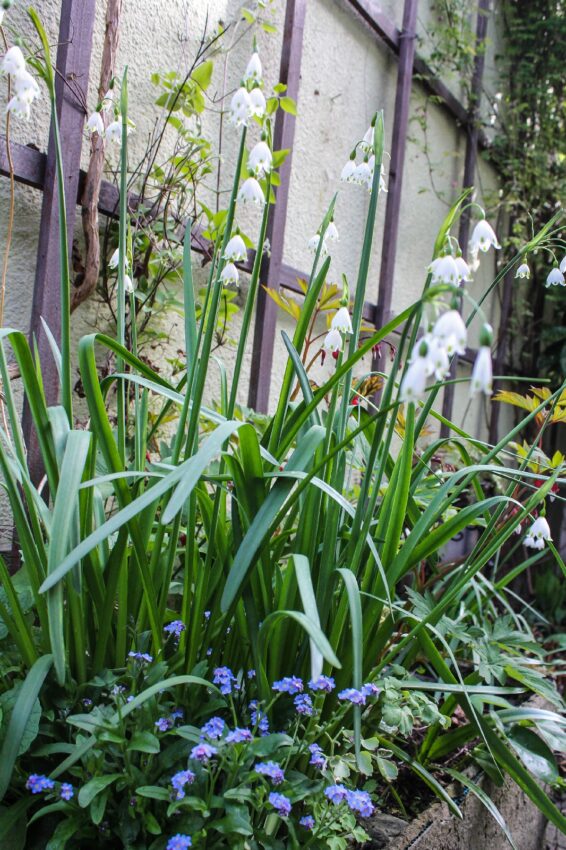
(23,707)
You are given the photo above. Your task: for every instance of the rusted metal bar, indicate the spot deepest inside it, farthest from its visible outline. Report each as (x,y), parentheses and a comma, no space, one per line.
(470,159)
(395,181)
(284,132)
(501,351)
(73,62)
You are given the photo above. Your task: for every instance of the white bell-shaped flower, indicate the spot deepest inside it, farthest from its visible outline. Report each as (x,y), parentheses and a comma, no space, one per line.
(523,271)
(537,534)
(562,265)
(260,159)
(229,275)
(413,385)
(251,192)
(555,278)
(482,373)
(451,330)
(464,271)
(483,237)
(313,244)
(241,108)
(437,357)
(26,86)
(331,233)
(361,175)
(114,132)
(13,61)
(257,100)
(95,124)
(114,259)
(253,70)
(341,321)
(19,107)
(444,270)
(348,171)
(235,249)
(128,284)
(332,341)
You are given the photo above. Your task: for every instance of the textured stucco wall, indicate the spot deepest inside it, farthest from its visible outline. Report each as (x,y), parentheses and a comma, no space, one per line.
(346,75)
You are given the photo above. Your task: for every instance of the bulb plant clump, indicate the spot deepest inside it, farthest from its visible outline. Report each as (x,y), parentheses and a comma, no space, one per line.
(241,642)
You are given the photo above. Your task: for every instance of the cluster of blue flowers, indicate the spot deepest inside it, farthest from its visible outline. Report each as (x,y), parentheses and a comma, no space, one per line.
(165,723)
(303,704)
(289,685)
(175,628)
(239,736)
(225,679)
(307,822)
(281,803)
(272,770)
(179,842)
(179,780)
(357,801)
(37,784)
(213,729)
(203,753)
(141,656)
(317,758)
(352,695)
(323,683)
(259,718)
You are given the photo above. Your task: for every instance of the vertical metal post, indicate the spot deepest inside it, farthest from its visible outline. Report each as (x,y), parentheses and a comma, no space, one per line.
(266,310)
(395,181)
(470,158)
(72,70)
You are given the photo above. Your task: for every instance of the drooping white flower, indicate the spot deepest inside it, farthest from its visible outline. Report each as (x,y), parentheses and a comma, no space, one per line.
(555,278)
(413,385)
(13,61)
(258,104)
(361,175)
(260,159)
(128,284)
(26,86)
(451,330)
(332,341)
(482,373)
(251,192)
(523,271)
(562,265)
(253,70)
(240,107)
(114,259)
(348,171)
(437,357)
(235,249)
(229,275)
(331,233)
(483,237)
(537,534)
(114,132)
(444,270)
(19,107)
(464,271)
(366,145)
(95,124)
(313,244)
(341,321)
